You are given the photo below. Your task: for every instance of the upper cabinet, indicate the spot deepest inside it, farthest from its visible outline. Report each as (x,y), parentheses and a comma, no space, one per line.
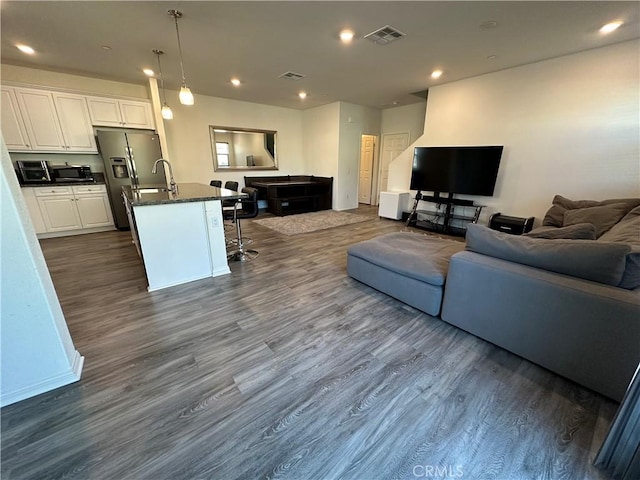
(13,131)
(49,121)
(42,121)
(75,122)
(110,112)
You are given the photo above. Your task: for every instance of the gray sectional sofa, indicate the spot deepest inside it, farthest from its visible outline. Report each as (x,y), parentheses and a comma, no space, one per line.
(566,296)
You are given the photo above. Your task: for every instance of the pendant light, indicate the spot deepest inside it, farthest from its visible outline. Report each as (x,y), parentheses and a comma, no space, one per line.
(167,114)
(186,97)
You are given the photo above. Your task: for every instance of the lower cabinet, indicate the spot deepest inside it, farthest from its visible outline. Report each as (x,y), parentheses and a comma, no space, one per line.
(69,209)
(34,209)
(59,213)
(93,206)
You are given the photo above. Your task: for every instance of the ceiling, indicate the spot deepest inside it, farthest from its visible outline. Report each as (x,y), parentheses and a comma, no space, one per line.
(259,41)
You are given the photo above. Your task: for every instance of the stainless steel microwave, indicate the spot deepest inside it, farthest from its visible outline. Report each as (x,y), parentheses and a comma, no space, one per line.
(71,173)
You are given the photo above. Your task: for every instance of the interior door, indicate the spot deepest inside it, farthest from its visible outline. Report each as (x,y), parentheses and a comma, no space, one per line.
(367,148)
(392,146)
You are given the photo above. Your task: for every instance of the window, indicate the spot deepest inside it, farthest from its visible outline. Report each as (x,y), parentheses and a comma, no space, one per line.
(222,152)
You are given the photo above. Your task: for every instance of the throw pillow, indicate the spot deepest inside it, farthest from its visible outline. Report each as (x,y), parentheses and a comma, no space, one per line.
(579,231)
(603,216)
(555,215)
(602,262)
(627,231)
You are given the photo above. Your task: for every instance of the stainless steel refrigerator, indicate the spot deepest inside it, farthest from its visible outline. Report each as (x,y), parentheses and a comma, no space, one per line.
(128,159)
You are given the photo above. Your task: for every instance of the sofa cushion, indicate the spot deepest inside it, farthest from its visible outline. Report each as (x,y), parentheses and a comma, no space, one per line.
(579,231)
(555,215)
(417,256)
(602,262)
(627,231)
(602,216)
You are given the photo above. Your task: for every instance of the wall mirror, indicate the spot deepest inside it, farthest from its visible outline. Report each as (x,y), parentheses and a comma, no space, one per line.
(243,148)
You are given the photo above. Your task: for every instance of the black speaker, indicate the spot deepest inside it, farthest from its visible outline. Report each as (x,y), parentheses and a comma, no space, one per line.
(512,225)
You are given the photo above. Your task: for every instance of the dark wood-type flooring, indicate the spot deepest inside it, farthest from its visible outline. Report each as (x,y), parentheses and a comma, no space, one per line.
(285,369)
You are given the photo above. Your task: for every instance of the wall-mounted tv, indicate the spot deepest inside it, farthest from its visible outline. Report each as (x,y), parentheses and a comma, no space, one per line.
(466,170)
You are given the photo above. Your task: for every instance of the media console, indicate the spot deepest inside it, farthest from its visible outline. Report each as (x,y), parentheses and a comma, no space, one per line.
(440,221)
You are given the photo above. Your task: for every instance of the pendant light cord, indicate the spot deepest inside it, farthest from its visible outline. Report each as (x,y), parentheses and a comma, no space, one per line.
(164,92)
(175,15)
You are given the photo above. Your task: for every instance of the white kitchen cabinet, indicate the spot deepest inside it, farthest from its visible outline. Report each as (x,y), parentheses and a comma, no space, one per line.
(58,208)
(56,122)
(74,209)
(34,209)
(111,112)
(13,130)
(60,213)
(75,122)
(40,119)
(93,206)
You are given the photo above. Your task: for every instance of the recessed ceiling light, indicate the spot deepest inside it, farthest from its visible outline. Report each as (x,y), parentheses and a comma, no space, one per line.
(302,95)
(436,74)
(492,57)
(346,36)
(610,27)
(106,48)
(26,49)
(148,72)
(235,82)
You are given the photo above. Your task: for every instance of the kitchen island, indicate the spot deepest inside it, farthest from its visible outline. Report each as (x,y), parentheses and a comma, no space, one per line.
(180,237)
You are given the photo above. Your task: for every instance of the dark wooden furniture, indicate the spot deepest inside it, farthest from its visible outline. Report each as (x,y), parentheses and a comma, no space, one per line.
(290,194)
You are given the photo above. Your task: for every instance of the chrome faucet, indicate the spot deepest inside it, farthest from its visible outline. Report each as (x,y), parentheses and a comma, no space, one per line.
(172,182)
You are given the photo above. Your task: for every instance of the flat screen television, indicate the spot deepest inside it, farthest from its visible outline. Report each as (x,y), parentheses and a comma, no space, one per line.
(466,170)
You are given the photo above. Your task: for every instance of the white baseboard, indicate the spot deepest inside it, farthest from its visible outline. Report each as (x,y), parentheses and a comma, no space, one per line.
(71,376)
(68,233)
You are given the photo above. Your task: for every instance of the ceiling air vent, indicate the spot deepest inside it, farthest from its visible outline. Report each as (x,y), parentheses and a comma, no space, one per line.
(385,35)
(292,75)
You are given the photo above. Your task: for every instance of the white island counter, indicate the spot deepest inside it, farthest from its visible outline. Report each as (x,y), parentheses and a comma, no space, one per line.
(179,237)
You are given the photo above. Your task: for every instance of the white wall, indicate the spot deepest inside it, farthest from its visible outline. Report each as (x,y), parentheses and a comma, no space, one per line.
(355,120)
(570,126)
(320,131)
(190,149)
(407,118)
(37,353)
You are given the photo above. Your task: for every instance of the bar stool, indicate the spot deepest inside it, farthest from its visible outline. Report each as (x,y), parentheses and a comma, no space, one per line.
(230,185)
(245,208)
(216,183)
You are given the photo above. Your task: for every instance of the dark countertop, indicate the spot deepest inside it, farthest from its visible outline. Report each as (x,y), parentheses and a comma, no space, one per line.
(187,192)
(58,184)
